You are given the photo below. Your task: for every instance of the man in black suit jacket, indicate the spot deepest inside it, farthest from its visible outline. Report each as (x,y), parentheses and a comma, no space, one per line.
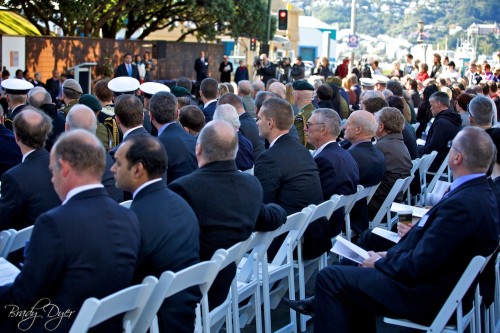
(129,117)
(54,87)
(208,94)
(179,145)
(82,117)
(169,228)
(360,128)
(127,68)
(201,67)
(87,247)
(27,190)
(9,150)
(413,279)
(211,187)
(287,172)
(338,170)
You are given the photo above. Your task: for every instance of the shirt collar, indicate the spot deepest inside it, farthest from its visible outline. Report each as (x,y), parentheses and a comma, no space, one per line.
(130,130)
(163,127)
(320,149)
(26,155)
(209,102)
(461,180)
(144,185)
(80,189)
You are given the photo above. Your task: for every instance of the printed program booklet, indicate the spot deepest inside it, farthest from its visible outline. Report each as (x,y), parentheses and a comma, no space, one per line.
(8,272)
(348,250)
(389,235)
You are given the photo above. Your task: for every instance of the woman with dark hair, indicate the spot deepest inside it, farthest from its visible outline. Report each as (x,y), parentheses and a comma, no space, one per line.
(412,87)
(437,68)
(462,104)
(424,114)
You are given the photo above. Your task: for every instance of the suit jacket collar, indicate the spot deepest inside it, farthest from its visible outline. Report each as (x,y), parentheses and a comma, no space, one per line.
(366,144)
(36,154)
(219,166)
(95,192)
(154,187)
(282,139)
(392,136)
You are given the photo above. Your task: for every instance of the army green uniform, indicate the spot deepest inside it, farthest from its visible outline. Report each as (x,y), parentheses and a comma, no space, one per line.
(300,123)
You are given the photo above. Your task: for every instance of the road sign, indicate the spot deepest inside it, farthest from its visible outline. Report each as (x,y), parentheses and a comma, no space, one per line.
(353,41)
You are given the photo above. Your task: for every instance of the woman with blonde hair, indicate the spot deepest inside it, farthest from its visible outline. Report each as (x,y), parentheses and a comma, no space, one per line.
(290,98)
(346,85)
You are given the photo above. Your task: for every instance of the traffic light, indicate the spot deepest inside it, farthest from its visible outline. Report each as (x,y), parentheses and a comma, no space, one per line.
(282,19)
(253,44)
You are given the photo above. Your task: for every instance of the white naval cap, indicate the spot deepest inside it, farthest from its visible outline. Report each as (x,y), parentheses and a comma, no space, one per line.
(367,82)
(16,86)
(380,78)
(151,88)
(123,85)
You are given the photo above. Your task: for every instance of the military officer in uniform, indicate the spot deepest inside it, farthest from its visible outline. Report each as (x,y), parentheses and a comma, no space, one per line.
(303,99)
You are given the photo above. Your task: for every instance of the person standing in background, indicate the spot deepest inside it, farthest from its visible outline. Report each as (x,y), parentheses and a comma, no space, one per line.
(225,69)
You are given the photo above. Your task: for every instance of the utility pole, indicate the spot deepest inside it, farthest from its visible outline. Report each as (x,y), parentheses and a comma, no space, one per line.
(353,26)
(268,34)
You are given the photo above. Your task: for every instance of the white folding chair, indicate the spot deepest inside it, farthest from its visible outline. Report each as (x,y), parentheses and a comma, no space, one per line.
(415,166)
(17,240)
(202,274)
(452,305)
(437,175)
(347,202)
(247,282)
(282,267)
(385,207)
(415,126)
(126,203)
(5,236)
(249,171)
(325,210)
(128,300)
(492,314)
(223,311)
(424,167)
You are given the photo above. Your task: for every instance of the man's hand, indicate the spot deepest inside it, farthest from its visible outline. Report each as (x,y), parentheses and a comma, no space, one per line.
(374,256)
(403,228)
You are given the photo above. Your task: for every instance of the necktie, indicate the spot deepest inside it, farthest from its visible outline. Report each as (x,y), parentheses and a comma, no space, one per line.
(129,69)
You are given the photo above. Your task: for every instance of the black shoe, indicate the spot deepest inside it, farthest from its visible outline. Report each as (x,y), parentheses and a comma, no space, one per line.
(305,306)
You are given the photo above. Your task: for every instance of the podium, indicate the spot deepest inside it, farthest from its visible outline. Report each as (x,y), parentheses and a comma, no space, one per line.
(83,75)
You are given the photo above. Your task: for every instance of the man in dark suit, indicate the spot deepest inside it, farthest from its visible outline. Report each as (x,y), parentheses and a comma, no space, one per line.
(82,117)
(169,228)
(9,151)
(17,94)
(129,117)
(222,225)
(209,93)
(360,128)
(127,68)
(225,69)
(87,247)
(338,170)
(26,188)
(287,172)
(397,158)
(201,67)
(179,145)
(248,127)
(54,87)
(413,279)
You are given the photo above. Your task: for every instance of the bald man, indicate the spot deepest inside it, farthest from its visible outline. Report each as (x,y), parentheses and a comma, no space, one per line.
(223,225)
(278,88)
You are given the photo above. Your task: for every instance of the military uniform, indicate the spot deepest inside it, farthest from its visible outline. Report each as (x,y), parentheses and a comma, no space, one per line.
(300,123)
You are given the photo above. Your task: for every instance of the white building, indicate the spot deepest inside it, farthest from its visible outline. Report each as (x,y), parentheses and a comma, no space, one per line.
(316,39)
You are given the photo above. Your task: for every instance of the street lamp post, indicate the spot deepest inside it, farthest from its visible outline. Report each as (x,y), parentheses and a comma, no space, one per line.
(420,38)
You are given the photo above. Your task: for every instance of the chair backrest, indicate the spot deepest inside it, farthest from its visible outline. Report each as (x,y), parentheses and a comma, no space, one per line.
(5,236)
(366,192)
(345,201)
(386,205)
(439,173)
(235,252)
(427,160)
(325,209)
(415,165)
(295,226)
(415,126)
(258,249)
(202,274)
(131,299)
(406,184)
(454,300)
(18,240)
(126,203)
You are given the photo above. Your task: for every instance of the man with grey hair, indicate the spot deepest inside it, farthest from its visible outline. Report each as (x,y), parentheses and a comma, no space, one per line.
(244,157)
(245,93)
(338,171)
(41,99)
(248,127)
(222,225)
(83,242)
(257,87)
(179,145)
(82,117)
(278,88)
(446,125)
(26,188)
(481,111)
